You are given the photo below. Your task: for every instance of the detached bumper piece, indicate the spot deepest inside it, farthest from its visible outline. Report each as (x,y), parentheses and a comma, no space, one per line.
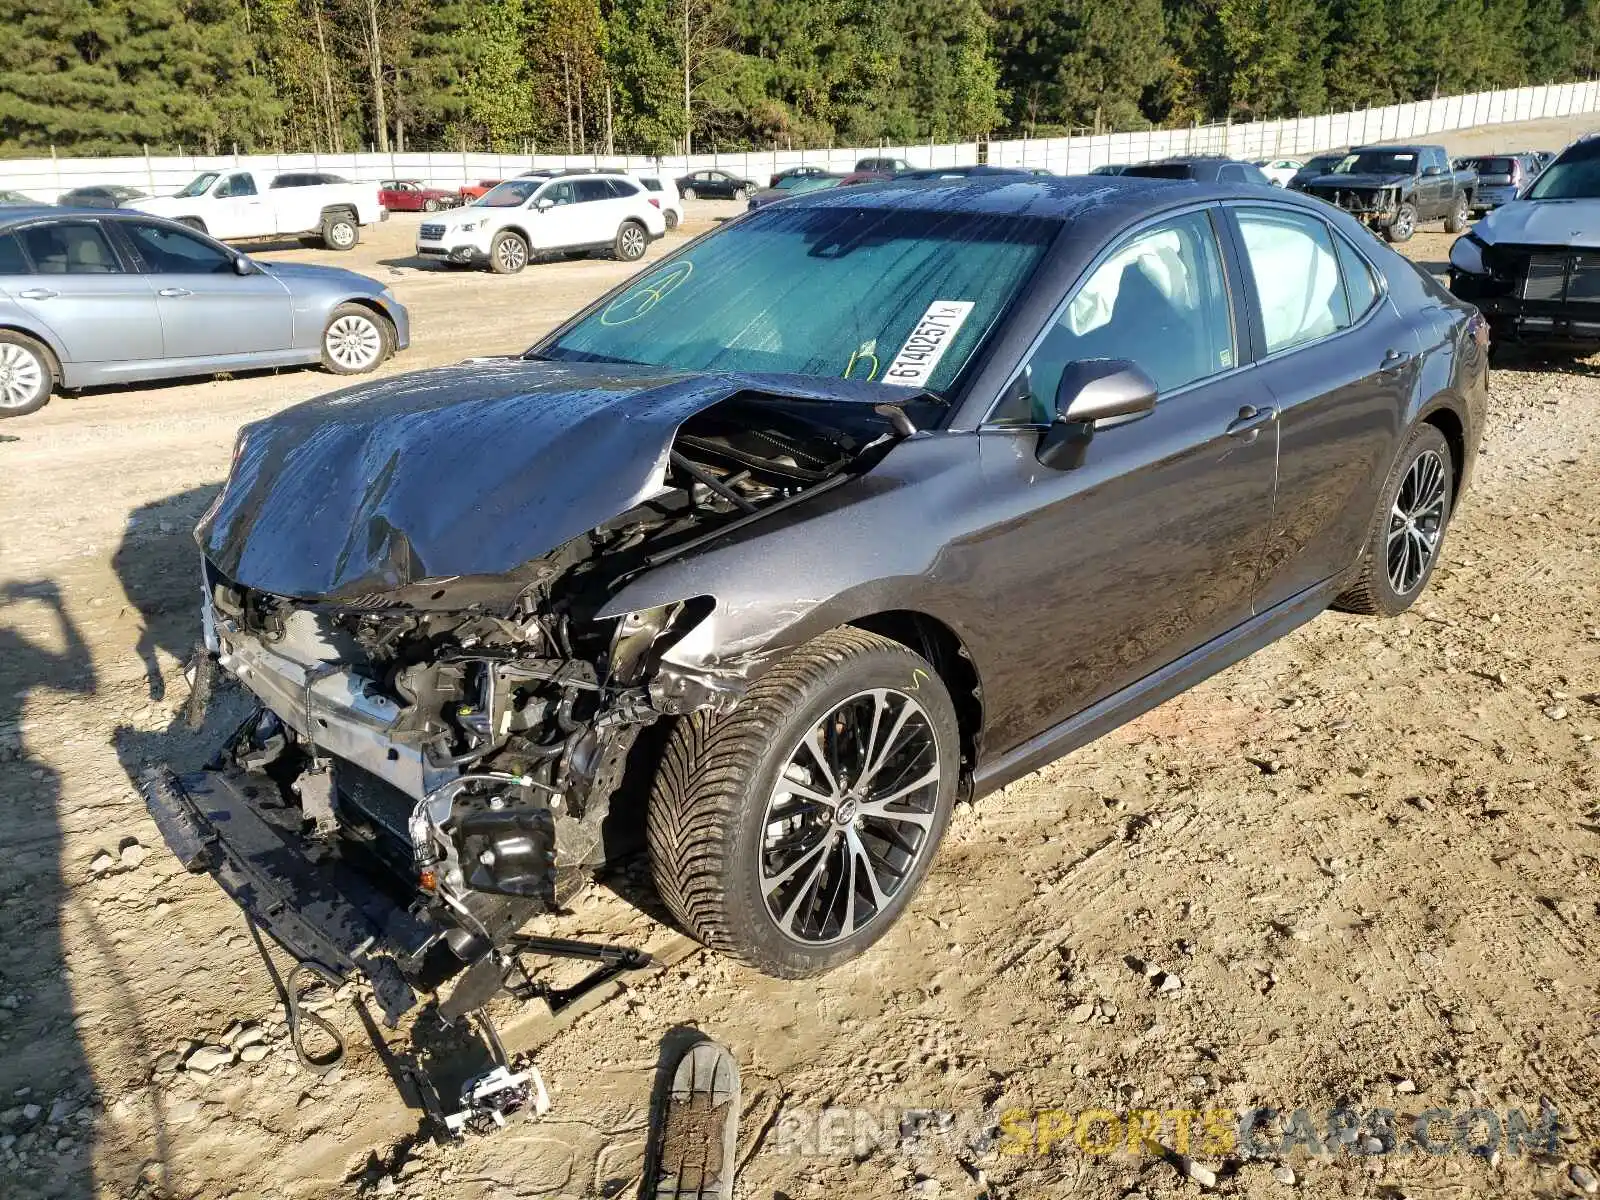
(323,911)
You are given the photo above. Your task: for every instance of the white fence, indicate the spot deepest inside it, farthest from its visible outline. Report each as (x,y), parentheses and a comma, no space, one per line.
(1303,135)
(46,178)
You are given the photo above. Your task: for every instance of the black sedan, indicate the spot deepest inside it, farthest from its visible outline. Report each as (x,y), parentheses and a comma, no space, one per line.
(861,504)
(109,195)
(714,185)
(1203,169)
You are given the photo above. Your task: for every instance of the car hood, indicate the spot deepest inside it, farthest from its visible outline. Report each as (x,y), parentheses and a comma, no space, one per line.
(468,470)
(1542,223)
(1356,180)
(292,273)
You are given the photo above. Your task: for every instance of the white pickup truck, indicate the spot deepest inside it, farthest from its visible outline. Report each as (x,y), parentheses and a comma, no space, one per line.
(240,203)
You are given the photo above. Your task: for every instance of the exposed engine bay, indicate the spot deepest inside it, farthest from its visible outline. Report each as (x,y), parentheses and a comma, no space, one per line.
(466,735)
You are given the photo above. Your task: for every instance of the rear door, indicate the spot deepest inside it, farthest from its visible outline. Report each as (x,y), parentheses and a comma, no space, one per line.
(1339,362)
(85,292)
(207,309)
(599,211)
(1092,578)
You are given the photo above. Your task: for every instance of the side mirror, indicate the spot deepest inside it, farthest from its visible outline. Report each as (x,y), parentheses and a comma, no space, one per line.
(1433,170)
(1094,390)
(243,266)
(544,204)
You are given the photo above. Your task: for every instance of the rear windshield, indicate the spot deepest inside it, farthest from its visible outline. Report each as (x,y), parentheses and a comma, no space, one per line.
(1573,176)
(1490,166)
(891,296)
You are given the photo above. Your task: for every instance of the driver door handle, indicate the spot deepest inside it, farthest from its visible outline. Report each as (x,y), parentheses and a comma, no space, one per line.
(173,293)
(1393,361)
(38,294)
(1247,425)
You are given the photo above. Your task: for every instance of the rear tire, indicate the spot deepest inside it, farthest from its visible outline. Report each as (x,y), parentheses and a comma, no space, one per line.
(631,242)
(1459,217)
(27,374)
(671,219)
(1403,226)
(688,193)
(739,193)
(752,847)
(340,231)
(1408,530)
(508,253)
(430,205)
(355,340)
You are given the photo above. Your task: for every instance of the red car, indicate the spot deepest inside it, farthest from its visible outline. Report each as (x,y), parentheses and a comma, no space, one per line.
(412,195)
(477,191)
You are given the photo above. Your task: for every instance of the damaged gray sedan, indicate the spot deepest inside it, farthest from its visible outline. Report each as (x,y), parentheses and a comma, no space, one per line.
(851,508)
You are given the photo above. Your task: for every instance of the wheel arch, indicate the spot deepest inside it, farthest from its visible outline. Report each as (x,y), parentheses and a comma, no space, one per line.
(52,350)
(1441,414)
(943,647)
(368,303)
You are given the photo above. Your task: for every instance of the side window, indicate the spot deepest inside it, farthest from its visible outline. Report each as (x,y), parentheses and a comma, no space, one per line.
(651,185)
(1436,158)
(557,193)
(621,188)
(1296,275)
(592,189)
(237,185)
(78,248)
(1232,174)
(1160,301)
(12,260)
(1360,288)
(169,251)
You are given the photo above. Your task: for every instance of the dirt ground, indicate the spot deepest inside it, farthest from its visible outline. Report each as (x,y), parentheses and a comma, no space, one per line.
(1360,870)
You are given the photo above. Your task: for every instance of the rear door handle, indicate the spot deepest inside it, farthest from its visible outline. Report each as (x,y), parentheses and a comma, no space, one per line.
(1247,425)
(1393,361)
(38,294)
(174,293)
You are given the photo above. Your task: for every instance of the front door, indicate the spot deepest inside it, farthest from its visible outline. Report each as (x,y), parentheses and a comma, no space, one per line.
(1094,577)
(207,308)
(100,310)
(240,211)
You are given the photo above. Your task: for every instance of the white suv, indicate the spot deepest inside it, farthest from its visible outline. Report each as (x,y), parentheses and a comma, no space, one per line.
(664,190)
(523,217)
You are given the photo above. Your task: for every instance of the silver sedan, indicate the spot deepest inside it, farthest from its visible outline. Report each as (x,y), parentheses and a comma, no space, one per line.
(94,297)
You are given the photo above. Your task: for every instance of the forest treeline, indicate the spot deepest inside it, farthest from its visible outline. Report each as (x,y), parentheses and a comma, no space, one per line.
(661,76)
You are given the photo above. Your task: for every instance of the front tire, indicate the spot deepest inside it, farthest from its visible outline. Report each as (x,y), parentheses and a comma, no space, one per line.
(1458,219)
(1408,529)
(792,832)
(631,242)
(1403,226)
(739,193)
(340,231)
(27,375)
(508,253)
(355,340)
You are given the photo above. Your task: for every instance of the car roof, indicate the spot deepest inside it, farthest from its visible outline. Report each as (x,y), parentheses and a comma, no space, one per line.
(1112,199)
(21,214)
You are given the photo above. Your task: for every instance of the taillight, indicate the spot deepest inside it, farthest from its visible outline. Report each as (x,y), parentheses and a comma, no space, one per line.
(1478,326)
(654,203)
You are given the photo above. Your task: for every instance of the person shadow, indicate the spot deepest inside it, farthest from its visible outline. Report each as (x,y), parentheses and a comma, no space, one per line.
(46,1089)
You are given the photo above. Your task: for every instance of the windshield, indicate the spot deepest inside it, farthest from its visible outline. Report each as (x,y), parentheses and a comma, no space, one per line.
(199,185)
(892,296)
(1378,162)
(1573,176)
(510,194)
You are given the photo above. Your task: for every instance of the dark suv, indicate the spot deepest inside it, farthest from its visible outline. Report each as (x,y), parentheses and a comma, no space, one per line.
(1209,170)
(861,504)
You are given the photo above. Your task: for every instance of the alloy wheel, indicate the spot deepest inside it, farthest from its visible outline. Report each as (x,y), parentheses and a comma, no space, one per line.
(21,375)
(850,817)
(632,242)
(354,342)
(1416,522)
(342,234)
(513,254)
(1402,225)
